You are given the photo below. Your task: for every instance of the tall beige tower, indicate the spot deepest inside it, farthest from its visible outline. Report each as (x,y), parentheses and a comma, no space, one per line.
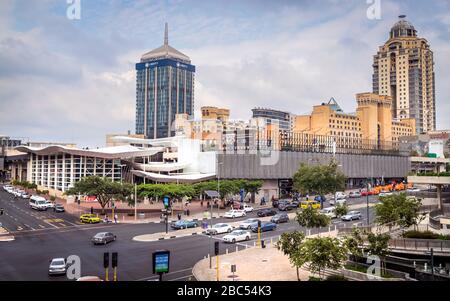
(403,68)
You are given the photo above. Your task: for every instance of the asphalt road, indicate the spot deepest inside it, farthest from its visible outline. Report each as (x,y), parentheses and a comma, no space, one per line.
(40,239)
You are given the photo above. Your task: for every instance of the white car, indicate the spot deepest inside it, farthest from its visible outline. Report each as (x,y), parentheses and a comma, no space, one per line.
(248,208)
(235,213)
(329,212)
(25,195)
(414,189)
(248,223)
(58,266)
(385,193)
(237,235)
(351,215)
(219,229)
(7,187)
(339,201)
(340,195)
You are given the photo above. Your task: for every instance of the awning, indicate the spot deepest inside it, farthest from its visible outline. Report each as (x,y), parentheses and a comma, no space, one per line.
(175,178)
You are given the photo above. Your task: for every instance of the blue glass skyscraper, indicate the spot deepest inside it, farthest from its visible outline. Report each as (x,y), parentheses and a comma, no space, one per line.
(164,88)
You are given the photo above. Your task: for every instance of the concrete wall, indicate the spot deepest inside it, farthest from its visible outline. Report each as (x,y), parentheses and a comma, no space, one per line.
(282,165)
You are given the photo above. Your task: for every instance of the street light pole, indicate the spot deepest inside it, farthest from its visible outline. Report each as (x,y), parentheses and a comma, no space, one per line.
(367,208)
(135,201)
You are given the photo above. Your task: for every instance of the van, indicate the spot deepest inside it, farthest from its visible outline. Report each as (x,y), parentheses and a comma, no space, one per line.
(330,212)
(38,203)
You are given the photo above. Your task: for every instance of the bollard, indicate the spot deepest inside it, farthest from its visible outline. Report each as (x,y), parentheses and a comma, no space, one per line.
(237,248)
(226,251)
(271,240)
(263,245)
(329,228)
(254,244)
(335,227)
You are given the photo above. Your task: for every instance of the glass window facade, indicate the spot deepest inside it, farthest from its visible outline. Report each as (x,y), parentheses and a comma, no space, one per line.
(164,88)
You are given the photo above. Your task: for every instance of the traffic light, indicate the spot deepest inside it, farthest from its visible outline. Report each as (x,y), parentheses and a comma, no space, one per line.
(1,211)
(114,259)
(106,260)
(216,248)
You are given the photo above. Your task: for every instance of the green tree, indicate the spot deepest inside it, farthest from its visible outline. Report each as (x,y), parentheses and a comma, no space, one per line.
(340,209)
(354,243)
(311,218)
(290,244)
(103,189)
(398,210)
(252,187)
(321,179)
(379,245)
(322,253)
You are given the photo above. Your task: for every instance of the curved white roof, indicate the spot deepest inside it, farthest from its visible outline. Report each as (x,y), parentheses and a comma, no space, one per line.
(158,167)
(114,152)
(180,178)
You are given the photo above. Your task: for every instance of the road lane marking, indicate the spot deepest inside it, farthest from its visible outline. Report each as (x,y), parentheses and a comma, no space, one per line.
(62,225)
(41,226)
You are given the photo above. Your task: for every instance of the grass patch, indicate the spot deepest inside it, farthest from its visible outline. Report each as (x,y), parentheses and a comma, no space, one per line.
(363,269)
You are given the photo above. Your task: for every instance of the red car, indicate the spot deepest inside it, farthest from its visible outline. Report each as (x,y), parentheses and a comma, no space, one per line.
(365,193)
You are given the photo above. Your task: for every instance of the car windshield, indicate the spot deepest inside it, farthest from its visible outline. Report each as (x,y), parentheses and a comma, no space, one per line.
(219,225)
(100,234)
(58,262)
(234,233)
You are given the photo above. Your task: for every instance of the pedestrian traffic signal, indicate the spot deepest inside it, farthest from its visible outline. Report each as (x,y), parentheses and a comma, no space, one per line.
(1,211)
(216,248)
(114,259)
(106,260)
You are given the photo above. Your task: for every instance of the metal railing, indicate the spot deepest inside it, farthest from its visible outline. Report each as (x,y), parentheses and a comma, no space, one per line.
(420,244)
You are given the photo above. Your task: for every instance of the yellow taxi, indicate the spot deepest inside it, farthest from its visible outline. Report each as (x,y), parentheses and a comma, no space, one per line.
(89,218)
(312,204)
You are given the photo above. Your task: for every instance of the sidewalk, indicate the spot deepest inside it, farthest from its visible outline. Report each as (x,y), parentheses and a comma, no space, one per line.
(252,264)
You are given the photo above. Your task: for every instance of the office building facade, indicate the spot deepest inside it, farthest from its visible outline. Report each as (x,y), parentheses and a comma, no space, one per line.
(403,68)
(164,88)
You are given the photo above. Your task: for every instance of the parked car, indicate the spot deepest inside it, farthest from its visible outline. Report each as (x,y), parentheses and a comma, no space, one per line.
(352,215)
(235,213)
(354,194)
(89,218)
(413,189)
(313,204)
(340,195)
(7,187)
(280,218)
(58,266)
(248,208)
(219,229)
(286,206)
(248,223)
(38,203)
(340,202)
(265,226)
(183,224)
(330,212)
(385,193)
(266,212)
(25,195)
(103,238)
(320,198)
(366,193)
(237,235)
(59,208)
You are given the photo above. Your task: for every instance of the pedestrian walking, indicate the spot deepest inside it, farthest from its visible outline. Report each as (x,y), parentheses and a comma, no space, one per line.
(115,218)
(92,210)
(187,212)
(201,203)
(179,216)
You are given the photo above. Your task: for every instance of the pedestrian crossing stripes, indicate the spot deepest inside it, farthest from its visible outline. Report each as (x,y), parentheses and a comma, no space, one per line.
(54,220)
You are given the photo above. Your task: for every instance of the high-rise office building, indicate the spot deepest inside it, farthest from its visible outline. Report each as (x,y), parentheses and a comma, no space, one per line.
(164,88)
(403,68)
(283,119)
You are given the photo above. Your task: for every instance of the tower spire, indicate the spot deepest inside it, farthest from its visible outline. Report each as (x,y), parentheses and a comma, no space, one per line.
(166,35)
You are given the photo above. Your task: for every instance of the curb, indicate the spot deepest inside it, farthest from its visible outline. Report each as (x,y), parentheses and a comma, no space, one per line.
(171,237)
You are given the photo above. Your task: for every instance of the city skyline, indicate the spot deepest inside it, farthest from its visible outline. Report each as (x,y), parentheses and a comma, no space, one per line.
(74,73)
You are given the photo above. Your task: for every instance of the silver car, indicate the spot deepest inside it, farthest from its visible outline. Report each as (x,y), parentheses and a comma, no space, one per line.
(103,238)
(58,266)
(248,223)
(351,215)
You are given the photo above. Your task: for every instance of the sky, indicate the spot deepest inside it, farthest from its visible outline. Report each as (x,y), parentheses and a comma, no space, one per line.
(73,80)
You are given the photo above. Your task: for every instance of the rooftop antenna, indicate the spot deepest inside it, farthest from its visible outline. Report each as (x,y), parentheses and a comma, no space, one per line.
(166,35)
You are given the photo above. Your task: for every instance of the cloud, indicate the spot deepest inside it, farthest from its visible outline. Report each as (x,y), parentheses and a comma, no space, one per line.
(63,80)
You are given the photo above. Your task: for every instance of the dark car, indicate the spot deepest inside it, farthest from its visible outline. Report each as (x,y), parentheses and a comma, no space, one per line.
(265,226)
(286,206)
(280,218)
(103,238)
(58,208)
(266,212)
(183,224)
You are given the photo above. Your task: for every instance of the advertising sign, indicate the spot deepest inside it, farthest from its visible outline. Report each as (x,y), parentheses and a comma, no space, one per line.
(166,202)
(161,262)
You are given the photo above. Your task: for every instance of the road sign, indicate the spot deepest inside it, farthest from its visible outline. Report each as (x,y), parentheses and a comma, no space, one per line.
(233,268)
(161,262)
(166,202)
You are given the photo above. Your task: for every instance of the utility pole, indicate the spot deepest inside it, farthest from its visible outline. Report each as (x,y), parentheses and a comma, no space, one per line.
(367,202)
